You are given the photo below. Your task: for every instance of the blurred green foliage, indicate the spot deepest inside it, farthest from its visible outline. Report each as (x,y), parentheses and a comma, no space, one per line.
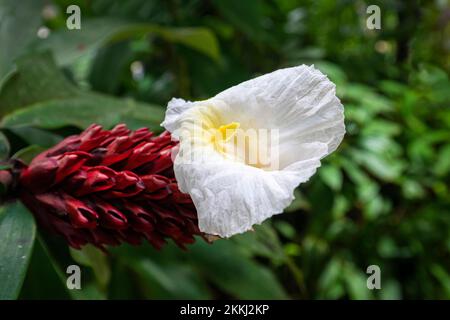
(382,198)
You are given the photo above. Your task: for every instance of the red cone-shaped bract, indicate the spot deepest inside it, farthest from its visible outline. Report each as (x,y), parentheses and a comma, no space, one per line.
(105,187)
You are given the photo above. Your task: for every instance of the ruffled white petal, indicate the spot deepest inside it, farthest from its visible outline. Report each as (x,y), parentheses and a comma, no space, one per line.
(300,101)
(230,196)
(175,108)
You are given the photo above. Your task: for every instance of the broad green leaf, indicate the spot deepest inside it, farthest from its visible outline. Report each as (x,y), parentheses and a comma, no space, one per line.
(19,24)
(95,33)
(108,65)
(44,280)
(17,234)
(200,39)
(28,153)
(37,79)
(84,110)
(35,136)
(60,104)
(57,254)
(4,147)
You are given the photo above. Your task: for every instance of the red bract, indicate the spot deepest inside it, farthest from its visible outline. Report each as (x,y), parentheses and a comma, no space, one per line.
(105,187)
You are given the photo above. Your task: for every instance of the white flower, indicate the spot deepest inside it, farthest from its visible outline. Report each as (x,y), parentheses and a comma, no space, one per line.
(290,119)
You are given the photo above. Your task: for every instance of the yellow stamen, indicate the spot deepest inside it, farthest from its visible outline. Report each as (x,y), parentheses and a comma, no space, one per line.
(224,134)
(229,130)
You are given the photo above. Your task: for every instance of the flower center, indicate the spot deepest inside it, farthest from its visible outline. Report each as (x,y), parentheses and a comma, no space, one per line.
(224,134)
(229,130)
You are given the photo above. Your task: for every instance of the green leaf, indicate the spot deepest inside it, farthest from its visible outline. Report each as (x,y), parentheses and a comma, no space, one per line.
(247,16)
(92,257)
(17,234)
(60,104)
(285,229)
(84,110)
(300,202)
(108,66)
(333,71)
(95,33)
(229,269)
(367,97)
(391,290)
(160,272)
(5,166)
(200,39)
(329,279)
(121,283)
(262,242)
(412,189)
(44,273)
(332,177)
(38,137)
(224,264)
(356,282)
(378,164)
(442,275)
(28,153)
(4,147)
(18,27)
(442,166)
(169,279)
(58,259)
(37,79)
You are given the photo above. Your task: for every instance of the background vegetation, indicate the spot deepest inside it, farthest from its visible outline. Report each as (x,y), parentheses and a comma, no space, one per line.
(382,199)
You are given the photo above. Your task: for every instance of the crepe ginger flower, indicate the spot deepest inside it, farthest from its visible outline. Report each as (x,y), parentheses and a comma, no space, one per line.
(242,153)
(228,163)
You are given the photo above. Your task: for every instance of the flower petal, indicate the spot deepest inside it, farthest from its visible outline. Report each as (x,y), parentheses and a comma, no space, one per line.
(175,108)
(301,102)
(230,196)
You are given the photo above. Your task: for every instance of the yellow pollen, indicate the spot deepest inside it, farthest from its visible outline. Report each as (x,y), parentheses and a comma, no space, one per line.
(223,134)
(229,130)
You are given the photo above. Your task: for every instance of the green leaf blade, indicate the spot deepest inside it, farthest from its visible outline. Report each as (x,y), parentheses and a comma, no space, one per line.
(17,233)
